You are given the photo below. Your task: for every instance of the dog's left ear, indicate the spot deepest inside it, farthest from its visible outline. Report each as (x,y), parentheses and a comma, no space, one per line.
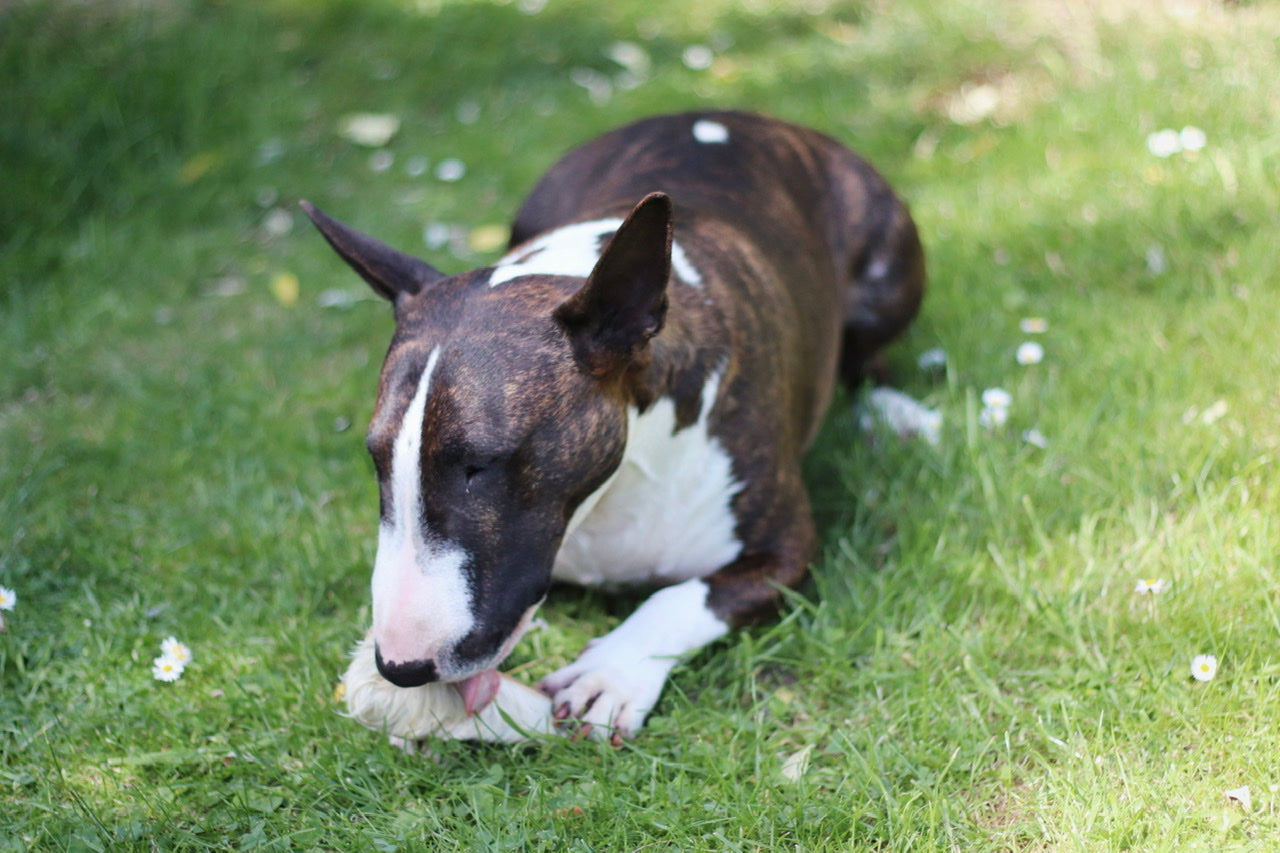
(390,273)
(624,302)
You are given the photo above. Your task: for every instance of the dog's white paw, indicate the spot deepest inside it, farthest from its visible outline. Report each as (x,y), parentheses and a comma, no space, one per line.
(609,690)
(614,684)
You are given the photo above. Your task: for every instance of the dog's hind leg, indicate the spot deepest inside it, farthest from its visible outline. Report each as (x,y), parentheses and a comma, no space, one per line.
(885,285)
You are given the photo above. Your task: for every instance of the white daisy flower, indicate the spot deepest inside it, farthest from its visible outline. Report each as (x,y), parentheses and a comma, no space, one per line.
(932,359)
(165,668)
(1033,325)
(1151,586)
(381,160)
(995,408)
(8,598)
(450,170)
(176,650)
(1030,352)
(697,57)
(1192,138)
(993,417)
(1204,667)
(997,398)
(1035,438)
(1164,143)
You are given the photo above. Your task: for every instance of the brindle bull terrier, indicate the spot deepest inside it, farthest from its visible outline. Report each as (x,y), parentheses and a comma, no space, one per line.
(624,399)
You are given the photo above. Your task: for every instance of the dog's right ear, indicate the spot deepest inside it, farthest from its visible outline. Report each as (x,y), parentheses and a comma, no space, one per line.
(624,301)
(390,273)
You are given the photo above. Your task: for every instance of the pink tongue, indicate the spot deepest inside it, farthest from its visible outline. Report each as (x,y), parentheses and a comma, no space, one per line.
(478,690)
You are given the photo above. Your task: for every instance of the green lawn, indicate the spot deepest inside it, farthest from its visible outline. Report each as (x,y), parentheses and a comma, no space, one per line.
(186,371)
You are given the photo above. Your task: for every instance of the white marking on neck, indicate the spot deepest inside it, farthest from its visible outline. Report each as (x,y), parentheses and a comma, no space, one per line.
(666,514)
(710,132)
(573,250)
(421,602)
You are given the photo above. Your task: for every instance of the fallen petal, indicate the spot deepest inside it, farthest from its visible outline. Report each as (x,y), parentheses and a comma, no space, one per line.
(285,288)
(372,130)
(796,764)
(1242,796)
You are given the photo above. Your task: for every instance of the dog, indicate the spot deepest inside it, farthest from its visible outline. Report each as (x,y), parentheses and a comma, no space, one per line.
(624,399)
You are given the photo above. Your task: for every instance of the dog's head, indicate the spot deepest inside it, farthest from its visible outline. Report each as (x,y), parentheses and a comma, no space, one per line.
(500,409)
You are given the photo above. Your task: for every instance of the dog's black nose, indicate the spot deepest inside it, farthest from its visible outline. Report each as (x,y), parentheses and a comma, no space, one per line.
(412,674)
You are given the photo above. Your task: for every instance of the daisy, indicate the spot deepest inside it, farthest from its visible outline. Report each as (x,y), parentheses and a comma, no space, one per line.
(992,417)
(995,408)
(1192,138)
(1164,143)
(179,652)
(1150,586)
(997,398)
(8,598)
(1033,325)
(451,170)
(1035,438)
(1204,667)
(1030,352)
(165,668)
(933,359)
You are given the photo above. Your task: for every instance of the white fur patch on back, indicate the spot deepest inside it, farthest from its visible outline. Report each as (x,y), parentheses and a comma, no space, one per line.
(710,132)
(421,603)
(666,514)
(573,251)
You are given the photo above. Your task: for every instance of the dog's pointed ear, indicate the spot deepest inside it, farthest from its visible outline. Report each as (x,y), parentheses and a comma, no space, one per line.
(390,273)
(624,302)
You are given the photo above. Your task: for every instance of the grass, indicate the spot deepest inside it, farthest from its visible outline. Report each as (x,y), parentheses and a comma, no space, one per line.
(180,443)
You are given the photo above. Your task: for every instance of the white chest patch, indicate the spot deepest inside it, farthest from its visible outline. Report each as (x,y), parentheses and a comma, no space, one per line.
(421,603)
(710,132)
(665,515)
(573,251)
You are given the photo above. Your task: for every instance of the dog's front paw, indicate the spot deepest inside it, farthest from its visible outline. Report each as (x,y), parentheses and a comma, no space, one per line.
(608,691)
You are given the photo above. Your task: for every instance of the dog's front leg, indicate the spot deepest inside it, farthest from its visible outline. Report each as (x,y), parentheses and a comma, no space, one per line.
(617,679)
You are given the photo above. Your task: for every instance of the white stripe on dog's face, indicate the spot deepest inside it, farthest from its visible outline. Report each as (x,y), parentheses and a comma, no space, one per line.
(421,602)
(573,251)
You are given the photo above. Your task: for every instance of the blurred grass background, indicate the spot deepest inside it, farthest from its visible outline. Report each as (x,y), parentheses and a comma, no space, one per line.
(185,373)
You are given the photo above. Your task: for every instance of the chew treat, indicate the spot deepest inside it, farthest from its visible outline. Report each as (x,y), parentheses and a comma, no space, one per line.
(437,710)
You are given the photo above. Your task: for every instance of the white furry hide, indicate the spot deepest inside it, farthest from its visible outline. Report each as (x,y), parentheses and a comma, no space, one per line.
(410,714)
